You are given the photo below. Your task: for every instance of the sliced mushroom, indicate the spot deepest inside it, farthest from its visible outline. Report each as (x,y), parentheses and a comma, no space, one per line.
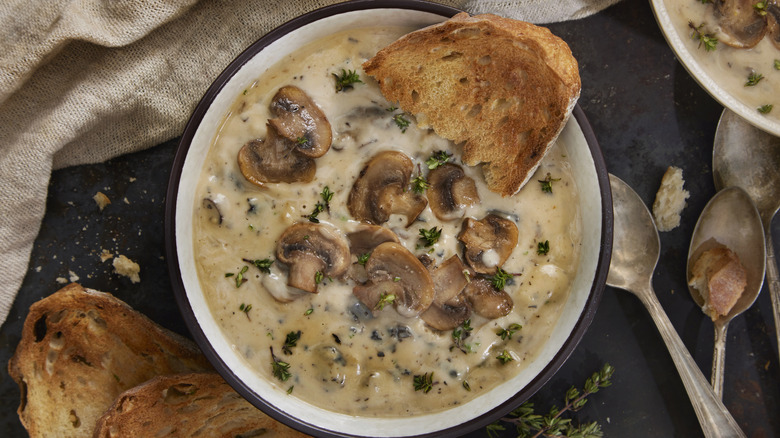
(393,269)
(449,308)
(485,300)
(274,160)
(450,192)
(773,21)
(740,25)
(366,237)
(381,190)
(488,242)
(301,121)
(308,248)
(212,211)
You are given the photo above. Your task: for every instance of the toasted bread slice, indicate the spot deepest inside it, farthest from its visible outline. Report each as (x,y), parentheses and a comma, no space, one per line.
(503,88)
(80,348)
(187,405)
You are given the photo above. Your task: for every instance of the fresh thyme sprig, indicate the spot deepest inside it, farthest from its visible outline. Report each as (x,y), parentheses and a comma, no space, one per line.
(543,248)
(423,382)
(753,79)
(499,279)
(547,183)
(439,158)
(291,341)
(263,265)
(530,424)
(401,121)
(346,80)
(459,336)
(384,300)
(709,41)
(430,237)
(765,109)
(280,368)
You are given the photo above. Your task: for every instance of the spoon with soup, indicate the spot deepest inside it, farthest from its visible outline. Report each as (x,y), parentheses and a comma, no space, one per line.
(725,267)
(749,158)
(635,251)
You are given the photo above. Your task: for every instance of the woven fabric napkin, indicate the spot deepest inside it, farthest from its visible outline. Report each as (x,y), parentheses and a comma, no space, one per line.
(82,82)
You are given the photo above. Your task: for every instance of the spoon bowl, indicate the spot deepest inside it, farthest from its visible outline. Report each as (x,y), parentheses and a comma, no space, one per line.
(635,251)
(731,220)
(747,157)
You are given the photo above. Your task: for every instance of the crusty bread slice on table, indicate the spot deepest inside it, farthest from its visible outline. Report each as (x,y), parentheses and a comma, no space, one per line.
(503,88)
(80,348)
(187,405)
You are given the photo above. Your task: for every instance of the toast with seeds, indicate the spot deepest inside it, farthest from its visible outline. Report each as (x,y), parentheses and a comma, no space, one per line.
(502,88)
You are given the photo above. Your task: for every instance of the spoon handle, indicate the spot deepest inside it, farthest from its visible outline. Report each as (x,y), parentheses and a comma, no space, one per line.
(719,359)
(772,279)
(714,418)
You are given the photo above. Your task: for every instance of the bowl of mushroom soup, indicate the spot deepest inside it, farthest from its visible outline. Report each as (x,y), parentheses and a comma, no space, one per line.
(344,271)
(732,49)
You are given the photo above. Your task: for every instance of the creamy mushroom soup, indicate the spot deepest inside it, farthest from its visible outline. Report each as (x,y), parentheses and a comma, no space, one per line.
(739,49)
(364,341)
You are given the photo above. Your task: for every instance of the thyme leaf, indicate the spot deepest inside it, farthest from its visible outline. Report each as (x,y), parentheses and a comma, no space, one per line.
(346,80)
(423,382)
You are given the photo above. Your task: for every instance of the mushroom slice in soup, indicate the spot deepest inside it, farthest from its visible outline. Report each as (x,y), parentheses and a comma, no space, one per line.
(487,301)
(773,20)
(312,252)
(488,243)
(274,160)
(394,271)
(381,190)
(450,192)
(449,309)
(366,237)
(301,121)
(740,25)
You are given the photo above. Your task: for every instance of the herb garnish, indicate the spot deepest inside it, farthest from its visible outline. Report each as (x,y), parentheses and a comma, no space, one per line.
(547,183)
(466,385)
(363,258)
(509,331)
(754,79)
(765,109)
(423,382)
(240,276)
(326,196)
(301,141)
(318,277)
(707,39)
(281,369)
(504,357)
(291,341)
(760,7)
(245,308)
(345,81)
(419,184)
(498,280)
(430,237)
(777,64)
(528,423)
(439,158)
(384,300)
(263,265)
(401,122)
(543,248)
(308,312)
(459,336)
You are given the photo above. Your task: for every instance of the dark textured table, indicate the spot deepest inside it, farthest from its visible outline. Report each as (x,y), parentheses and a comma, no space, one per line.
(647,114)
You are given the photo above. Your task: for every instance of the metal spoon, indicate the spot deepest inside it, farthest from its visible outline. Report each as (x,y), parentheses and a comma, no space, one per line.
(635,252)
(747,157)
(730,219)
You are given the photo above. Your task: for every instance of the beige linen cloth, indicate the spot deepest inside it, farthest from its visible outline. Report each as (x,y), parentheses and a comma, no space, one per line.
(82,81)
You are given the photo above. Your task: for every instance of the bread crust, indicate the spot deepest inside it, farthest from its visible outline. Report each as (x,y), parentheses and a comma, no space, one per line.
(502,88)
(80,348)
(185,405)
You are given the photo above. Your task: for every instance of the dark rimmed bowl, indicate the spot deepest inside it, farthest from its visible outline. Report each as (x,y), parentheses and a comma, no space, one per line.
(596,212)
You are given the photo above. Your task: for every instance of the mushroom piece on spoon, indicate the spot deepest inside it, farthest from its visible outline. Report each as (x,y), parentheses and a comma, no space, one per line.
(381,190)
(394,270)
(308,249)
(301,121)
(450,192)
(488,242)
(274,160)
(740,25)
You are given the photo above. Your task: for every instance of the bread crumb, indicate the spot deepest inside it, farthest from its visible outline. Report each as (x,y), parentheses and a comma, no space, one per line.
(128,268)
(101,200)
(720,278)
(105,255)
(670,200)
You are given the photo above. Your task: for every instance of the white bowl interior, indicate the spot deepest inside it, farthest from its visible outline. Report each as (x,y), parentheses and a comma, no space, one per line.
(591,209)
(704,78)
